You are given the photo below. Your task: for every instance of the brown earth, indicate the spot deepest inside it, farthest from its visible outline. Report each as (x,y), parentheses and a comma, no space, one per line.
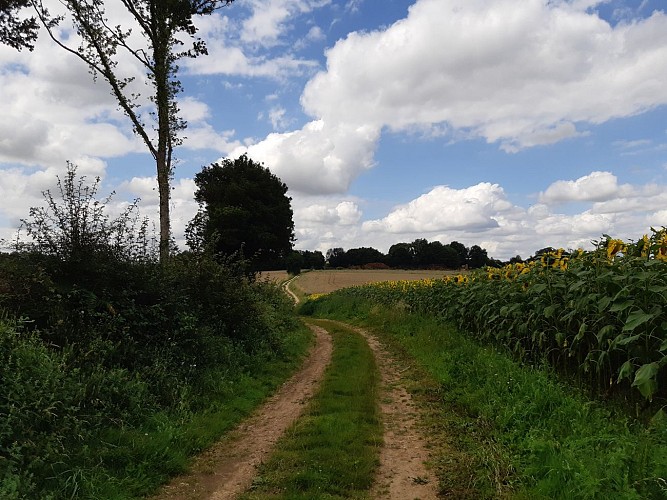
(228,468)
(402,474)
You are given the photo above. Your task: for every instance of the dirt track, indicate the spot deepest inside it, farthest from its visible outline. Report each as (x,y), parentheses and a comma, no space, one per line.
(227,469)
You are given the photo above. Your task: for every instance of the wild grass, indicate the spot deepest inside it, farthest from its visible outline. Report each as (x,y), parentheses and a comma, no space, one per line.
(332,451)
(527,434)
(60,452)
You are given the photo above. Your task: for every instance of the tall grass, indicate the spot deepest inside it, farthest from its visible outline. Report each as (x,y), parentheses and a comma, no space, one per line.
(527,434)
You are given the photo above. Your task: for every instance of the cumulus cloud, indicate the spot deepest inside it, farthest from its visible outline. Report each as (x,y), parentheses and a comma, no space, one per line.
(597,186)
(522,73)
(518,74)
(506,69)
(319,158)
(444,208)
(480,215)
(268,21)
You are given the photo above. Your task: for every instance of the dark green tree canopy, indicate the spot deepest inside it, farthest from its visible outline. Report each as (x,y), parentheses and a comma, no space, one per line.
(477,257)
(16,31)
(243,208)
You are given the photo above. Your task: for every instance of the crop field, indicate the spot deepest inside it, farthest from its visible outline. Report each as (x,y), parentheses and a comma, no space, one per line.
(599,315)
(316,282)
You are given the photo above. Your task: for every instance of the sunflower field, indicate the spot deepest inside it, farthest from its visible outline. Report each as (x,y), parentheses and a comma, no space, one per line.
(598,315)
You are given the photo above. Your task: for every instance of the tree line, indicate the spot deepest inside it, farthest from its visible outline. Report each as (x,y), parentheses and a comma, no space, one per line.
(419,254)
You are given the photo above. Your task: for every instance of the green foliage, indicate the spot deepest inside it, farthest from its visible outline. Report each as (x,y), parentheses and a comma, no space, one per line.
(293,263)
(243,210)
(111,346)
(527,434)
(17,31)
(74,227)
(597,316)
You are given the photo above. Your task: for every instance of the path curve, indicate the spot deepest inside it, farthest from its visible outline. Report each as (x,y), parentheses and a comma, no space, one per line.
(288,291)
(227,469)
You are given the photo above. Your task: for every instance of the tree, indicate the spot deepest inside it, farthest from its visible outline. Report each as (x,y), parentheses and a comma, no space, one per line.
(363,255)
(401,256)
(243,208)
(336,257)
(162,24)
(477,257)
(312,260)
(294,263)
(16,32)
(442,255)
(462,252)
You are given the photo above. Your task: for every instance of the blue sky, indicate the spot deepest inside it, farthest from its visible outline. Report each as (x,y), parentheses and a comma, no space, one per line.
(512,125)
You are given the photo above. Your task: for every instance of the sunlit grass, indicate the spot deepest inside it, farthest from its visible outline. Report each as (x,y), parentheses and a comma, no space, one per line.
(332,451)
(524,433)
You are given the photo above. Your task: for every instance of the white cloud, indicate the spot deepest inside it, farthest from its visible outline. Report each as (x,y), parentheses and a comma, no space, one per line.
(229,60)
(317,159)
(268,21)
(444,208)
(315,34)
(277,118)
(204,136)
(597,186)
(520,74)
(507,70)
(480,215)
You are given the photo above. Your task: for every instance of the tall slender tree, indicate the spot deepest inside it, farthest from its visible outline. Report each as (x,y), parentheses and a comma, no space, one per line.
(162,24)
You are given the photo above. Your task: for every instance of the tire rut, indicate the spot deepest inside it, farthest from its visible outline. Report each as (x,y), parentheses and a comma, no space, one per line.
(402,473)
(228,467)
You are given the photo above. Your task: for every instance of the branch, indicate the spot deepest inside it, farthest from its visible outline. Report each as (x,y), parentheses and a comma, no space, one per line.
(104,66)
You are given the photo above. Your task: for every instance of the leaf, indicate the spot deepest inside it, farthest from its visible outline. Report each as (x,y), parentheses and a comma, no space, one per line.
(604,332)
(628,340)
(604,303)
(636,319)
(645,380)
(550,310)
(621,306)
(626,371)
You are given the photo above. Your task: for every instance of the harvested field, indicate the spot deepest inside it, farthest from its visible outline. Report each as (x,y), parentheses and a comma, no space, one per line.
(277,276)
(330,280)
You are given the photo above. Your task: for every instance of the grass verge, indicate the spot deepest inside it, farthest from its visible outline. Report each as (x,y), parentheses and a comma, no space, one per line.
(134,462)
(332,451)
(525,433)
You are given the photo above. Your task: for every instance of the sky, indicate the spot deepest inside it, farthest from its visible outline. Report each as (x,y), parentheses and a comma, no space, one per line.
(510,125)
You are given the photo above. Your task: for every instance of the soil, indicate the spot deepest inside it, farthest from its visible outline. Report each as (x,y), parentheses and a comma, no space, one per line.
(228,468)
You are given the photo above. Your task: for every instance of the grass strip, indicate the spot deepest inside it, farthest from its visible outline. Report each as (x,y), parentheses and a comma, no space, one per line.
(333,450)
(527,433)
(134,462)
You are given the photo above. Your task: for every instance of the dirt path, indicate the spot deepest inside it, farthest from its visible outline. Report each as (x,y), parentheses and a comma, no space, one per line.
(402,474)
(227,469)
(290,292)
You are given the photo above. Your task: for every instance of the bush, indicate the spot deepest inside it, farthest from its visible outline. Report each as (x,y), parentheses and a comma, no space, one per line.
(109,339)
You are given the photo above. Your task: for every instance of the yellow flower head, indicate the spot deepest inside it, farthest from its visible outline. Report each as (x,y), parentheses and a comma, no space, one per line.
(613,247)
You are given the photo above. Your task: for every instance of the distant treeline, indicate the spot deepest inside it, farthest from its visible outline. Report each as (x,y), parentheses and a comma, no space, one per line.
(420,254)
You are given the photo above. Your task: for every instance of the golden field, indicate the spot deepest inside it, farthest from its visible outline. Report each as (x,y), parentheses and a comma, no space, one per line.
(326,281)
